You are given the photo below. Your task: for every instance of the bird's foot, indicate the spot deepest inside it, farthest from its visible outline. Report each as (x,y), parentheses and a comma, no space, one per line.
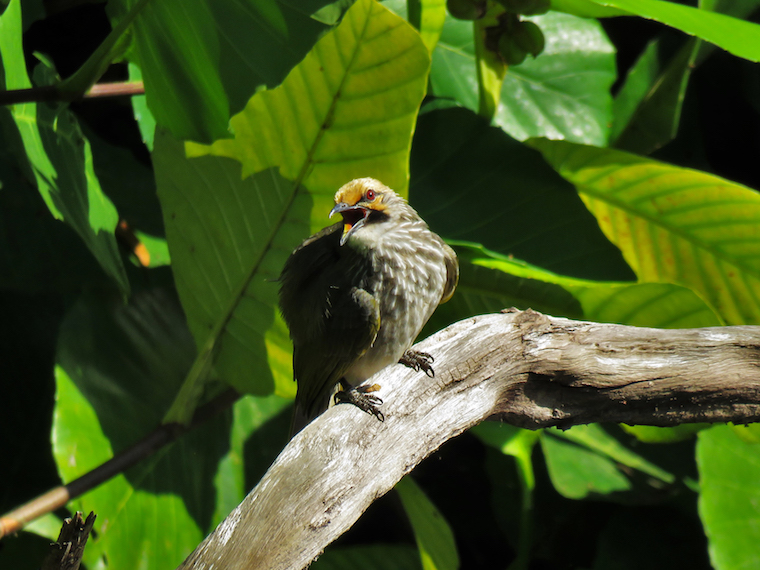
(417,360)
(361,397)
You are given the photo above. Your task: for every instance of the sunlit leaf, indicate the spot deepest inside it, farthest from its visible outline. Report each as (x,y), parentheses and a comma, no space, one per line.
(672,224)
(564,93)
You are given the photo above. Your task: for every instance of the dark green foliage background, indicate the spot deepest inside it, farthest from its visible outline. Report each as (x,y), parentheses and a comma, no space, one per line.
(602,498)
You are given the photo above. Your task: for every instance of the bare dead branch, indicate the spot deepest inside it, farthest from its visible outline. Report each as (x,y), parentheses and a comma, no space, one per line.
(523,367)
(67,552)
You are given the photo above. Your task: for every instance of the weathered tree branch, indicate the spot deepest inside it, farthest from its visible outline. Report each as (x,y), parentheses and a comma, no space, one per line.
(523,367)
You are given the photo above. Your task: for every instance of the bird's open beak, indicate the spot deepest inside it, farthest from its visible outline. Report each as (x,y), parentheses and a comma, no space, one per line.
(354,217)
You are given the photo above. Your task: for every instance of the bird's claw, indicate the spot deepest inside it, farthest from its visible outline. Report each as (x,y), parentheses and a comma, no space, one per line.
(418,360)
(360,397)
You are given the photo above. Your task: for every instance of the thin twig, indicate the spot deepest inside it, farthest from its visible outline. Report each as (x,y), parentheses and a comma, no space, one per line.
(50,93)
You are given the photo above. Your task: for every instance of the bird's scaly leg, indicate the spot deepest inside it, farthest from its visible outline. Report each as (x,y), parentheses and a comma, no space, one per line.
(417,360)
(360,397)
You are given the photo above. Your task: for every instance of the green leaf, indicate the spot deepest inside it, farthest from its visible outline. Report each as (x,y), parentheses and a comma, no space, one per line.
(117,370)
(672,224)
(647,110)
(563,93)
(474,183)
(37,252)
(53,152)
(346,111)
(736,36)
(202,60)
(729,501)
(434,537)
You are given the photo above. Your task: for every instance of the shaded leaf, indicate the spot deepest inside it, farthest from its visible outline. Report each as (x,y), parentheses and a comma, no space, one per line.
(657,114)
(201,61)
(117,370)
(595,438)
(374,557)
(474,183)
(53,153)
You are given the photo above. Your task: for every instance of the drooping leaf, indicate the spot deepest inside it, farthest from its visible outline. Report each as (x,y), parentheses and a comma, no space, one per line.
(490,282)
(236,209)
(736,36)
(729,500)
(672,224)
(647,111)
(564,93)
(435,540)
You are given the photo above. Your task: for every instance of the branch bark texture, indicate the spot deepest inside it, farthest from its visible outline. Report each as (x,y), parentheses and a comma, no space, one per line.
(522,367)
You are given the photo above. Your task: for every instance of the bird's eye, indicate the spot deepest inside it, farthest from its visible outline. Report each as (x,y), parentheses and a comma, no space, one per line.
(370,195)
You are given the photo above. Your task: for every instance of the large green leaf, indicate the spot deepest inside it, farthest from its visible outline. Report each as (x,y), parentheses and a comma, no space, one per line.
(202,60)
(564,93)
(236,209)
(729,500)
(474,183)
(118,368)
(672,224)
(53,153)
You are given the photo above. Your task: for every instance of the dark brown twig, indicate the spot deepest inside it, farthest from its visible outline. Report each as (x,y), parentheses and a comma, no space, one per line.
(67,552)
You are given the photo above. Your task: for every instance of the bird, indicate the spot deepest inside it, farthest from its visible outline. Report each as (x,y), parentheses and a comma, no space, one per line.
(356,294)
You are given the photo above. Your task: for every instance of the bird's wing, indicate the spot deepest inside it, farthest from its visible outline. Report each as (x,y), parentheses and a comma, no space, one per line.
(332,319)
(452,273)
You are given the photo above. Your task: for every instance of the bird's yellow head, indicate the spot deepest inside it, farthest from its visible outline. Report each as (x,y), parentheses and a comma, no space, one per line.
(360,199)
